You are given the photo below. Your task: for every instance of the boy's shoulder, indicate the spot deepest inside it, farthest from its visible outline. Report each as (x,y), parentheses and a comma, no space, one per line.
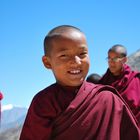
(100,87)
(47,92)
(104,93)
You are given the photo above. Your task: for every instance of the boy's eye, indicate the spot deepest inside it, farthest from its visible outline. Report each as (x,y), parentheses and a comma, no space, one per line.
(63,55)
(83,53)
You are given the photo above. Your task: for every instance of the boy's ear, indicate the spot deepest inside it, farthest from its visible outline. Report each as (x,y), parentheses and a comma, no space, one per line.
(46,62)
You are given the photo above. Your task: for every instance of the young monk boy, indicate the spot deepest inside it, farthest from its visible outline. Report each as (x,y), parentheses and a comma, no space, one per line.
(71,108)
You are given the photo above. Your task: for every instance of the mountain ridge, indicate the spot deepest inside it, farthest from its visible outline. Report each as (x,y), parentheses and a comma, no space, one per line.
(134,60)
(12,117)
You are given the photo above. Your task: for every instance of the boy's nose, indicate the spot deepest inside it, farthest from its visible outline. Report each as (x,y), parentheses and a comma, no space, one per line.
(76,60)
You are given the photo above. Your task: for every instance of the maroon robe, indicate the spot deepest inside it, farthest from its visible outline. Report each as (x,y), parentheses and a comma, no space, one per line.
(93,113)
(1,96)
(128,85)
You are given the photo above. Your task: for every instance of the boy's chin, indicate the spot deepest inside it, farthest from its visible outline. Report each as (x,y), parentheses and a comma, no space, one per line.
(76,84)
(73,83)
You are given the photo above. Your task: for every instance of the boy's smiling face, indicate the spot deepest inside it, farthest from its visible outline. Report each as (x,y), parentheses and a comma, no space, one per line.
(68,58)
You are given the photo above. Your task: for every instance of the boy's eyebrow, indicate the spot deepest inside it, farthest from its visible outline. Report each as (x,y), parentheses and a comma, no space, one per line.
(83,46)
(65,50)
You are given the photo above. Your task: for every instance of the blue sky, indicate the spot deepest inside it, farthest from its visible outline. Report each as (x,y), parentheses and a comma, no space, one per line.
(24,24)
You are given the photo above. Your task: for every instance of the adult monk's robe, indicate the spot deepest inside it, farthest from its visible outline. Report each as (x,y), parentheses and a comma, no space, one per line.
(94,113)
(128,85)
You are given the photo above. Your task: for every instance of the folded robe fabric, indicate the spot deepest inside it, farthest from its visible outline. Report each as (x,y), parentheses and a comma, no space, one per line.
(128,85)
(95,113)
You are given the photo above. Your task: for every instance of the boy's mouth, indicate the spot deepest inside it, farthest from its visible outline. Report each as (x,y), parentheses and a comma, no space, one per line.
(74,71)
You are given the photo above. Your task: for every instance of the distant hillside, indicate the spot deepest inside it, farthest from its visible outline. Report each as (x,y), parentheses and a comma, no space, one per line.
(13,117)
(134,60)
(11,122)
(11,134)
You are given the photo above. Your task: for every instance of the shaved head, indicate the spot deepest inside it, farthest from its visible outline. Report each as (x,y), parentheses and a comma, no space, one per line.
(119,49)
(58,32)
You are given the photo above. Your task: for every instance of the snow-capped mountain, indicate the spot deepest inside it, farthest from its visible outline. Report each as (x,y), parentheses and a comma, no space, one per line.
(12,116)
(134,60)
(6,107)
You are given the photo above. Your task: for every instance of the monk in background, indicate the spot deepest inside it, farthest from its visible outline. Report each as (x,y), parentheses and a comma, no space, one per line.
(125,80)
(93,78)
(71,108)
